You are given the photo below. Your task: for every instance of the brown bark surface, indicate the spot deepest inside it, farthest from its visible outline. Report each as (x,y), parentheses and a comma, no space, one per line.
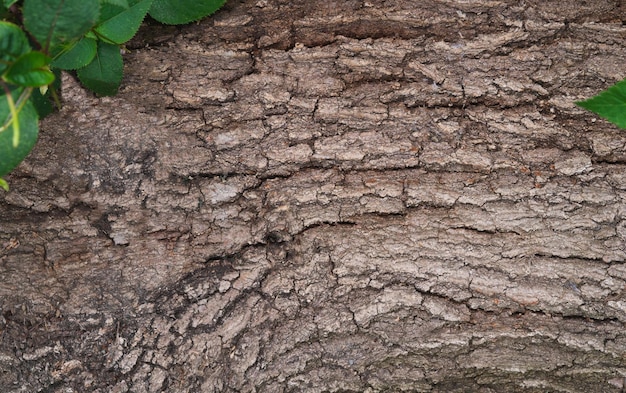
(311,196)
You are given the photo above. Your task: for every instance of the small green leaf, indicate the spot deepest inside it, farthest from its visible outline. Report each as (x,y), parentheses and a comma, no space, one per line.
(30,69)
(13,44)
(177,12)
(609,104)
(122,26)
(104,74)
(4,185)
(10,155)
(46,102)
(91,34)
(77,56)
(53,22)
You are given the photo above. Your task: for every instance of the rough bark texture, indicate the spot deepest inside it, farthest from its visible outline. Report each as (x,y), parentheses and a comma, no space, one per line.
(313,196)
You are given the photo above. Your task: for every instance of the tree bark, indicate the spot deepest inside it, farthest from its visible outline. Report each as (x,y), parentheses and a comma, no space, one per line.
(311,196)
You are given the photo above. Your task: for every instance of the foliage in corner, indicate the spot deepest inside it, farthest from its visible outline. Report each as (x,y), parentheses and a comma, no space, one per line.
(176,12)
(39,38)
(609,104)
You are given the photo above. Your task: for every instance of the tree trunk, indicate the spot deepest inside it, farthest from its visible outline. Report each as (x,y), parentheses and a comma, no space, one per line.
(312,196)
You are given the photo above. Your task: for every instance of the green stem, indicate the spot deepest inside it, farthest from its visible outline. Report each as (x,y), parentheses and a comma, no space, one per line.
(15,110)
(15,120)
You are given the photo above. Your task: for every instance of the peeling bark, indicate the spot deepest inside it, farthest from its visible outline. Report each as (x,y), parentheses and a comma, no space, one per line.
(317,197)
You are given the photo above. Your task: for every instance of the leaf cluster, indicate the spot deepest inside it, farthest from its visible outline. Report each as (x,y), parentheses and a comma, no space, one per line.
(40,38)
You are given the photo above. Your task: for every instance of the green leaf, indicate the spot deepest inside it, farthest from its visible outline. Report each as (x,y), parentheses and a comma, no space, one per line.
(108,10)
(44,102)
(121,3)
(53,22)
(122,26)
(13,44)
(10,155)
(4,9)
(30,69)
(609,104)
(177,12)
(104,74)
(76,56)
(4,185)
